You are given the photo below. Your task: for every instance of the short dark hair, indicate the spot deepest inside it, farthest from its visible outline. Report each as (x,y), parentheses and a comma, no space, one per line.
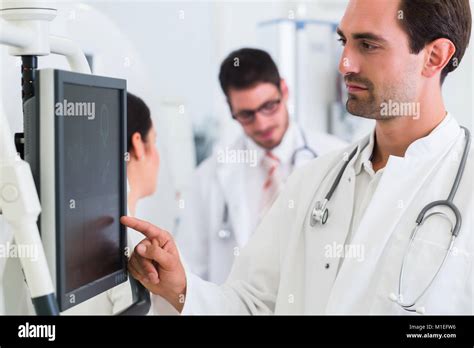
(138,119)
(427,20)
(245,68)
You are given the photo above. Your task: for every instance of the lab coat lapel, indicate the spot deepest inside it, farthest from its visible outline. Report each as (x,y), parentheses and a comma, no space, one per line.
(395,192)
(231,180)
(323,241)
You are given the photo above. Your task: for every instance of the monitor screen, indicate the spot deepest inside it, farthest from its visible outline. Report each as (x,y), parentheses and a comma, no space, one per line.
(91,186)
(84,194)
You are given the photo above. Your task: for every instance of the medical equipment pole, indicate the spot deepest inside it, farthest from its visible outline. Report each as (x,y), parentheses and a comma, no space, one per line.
(25,28)
(20,207)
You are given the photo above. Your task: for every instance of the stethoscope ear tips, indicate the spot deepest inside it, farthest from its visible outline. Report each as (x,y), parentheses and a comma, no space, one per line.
(393,297)
(420,310)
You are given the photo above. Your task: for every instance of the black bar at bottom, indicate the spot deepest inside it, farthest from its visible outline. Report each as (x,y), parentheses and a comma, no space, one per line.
(329,330)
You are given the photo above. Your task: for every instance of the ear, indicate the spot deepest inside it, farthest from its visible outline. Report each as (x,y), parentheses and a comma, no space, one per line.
(438,55)
(138,147)
(284,89)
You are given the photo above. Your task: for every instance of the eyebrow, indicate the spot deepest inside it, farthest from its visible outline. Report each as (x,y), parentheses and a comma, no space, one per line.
(364,35)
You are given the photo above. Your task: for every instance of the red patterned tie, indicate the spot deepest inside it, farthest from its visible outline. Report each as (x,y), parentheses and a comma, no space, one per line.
(271,186)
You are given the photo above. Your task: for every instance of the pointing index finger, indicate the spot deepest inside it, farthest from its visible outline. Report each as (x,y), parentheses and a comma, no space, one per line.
(146,228)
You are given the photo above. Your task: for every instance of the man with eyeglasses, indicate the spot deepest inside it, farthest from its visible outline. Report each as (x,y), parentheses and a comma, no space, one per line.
(234,188)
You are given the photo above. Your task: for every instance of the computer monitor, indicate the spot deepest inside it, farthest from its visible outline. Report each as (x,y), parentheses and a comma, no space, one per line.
(82,181)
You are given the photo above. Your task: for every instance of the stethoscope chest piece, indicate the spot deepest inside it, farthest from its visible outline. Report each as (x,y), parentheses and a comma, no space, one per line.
(319,214)
(224,233)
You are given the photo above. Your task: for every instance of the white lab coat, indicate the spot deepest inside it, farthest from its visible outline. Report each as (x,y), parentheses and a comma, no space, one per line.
(215,184)
(283,267)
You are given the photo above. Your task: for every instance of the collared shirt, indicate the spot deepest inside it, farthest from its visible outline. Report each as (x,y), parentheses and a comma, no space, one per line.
(367,180)
(255,176)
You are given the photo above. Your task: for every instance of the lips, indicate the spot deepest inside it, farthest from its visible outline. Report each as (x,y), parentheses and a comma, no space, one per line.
(352,88)
(267,134)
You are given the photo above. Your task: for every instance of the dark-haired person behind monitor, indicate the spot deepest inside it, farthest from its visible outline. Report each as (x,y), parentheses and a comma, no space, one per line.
(143,162)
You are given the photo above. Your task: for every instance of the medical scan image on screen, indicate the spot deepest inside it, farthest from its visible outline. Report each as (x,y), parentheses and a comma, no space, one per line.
(91,184)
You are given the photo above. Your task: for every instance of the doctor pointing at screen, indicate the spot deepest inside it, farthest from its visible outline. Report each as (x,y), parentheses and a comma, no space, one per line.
(382,227)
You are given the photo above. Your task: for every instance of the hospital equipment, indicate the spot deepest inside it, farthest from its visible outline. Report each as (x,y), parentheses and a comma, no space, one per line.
(62,148)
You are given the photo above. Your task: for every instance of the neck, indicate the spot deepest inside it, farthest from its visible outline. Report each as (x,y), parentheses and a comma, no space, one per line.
(132,203)
(134,193)
(393,136)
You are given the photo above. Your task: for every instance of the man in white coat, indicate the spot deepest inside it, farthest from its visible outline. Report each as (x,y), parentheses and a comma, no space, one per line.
(394,52)
(233,188)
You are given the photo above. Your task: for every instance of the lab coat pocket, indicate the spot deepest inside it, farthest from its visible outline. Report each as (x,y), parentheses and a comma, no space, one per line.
(438,285)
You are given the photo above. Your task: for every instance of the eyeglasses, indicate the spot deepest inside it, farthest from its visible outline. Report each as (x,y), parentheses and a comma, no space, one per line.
(248,116)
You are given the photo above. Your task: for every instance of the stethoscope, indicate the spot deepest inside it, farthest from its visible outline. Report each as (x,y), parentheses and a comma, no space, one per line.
(305,148)
(225,232)
(321,213)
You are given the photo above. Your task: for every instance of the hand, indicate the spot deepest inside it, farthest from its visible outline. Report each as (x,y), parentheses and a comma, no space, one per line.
(156,264)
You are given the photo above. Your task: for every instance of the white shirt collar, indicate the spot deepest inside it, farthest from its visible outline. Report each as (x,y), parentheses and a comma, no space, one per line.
(364,158)
(443,134)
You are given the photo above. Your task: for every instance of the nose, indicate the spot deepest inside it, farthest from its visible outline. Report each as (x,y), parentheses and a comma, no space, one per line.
(261,121)
(348,63)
